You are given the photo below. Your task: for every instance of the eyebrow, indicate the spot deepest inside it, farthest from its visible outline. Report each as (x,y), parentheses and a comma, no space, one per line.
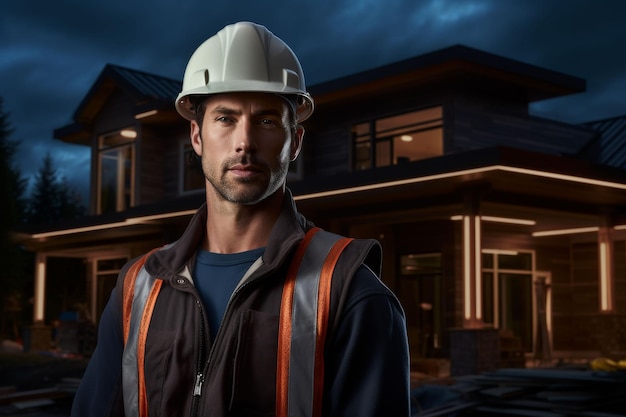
(230,111)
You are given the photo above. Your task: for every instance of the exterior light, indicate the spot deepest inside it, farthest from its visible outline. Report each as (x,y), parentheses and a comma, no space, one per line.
(128,133)
(146,114)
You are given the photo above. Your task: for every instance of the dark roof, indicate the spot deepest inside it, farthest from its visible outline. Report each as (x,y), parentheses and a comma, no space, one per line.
(145,84)
(460,62)
(148,91)
(609,147)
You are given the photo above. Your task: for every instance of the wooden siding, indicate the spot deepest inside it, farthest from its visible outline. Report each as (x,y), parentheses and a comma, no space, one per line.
(471,121)
(328,141)
(482,122)
(330,154)
(150,161)
(579,324)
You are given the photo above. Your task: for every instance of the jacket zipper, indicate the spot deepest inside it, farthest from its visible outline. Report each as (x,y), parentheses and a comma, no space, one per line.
(208,365)
(197,389)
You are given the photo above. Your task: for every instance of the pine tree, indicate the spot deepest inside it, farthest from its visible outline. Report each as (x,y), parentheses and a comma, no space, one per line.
(12,185)
(52,198)
(16,265)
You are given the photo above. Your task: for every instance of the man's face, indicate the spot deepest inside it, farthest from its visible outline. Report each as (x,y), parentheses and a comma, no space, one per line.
(246,144)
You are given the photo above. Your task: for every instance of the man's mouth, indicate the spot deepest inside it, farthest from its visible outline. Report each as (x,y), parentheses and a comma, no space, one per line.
(245,170)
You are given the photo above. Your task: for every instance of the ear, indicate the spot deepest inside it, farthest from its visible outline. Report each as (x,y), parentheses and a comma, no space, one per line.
(296,142)
(196,137)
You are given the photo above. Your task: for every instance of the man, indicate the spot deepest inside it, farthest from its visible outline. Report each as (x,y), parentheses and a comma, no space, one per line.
(210,345)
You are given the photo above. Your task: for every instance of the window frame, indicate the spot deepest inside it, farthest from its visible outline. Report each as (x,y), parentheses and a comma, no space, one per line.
(372,137)
(127,143)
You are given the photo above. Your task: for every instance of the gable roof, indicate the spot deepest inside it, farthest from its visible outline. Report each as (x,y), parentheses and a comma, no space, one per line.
(148,91)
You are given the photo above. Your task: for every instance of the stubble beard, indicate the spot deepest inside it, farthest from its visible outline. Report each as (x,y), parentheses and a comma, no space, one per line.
(247,191)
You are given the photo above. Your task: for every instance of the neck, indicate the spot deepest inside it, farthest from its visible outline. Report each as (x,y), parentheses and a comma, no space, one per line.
(233,228)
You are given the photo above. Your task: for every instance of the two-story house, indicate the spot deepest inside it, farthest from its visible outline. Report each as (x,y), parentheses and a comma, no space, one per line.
(490,218)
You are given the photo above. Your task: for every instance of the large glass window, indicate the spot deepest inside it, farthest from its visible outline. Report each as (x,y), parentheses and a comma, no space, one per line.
(116,158)
(420,295)
(397,139)
(508,294)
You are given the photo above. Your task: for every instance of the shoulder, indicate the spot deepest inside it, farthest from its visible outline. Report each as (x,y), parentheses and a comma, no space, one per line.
(367,287)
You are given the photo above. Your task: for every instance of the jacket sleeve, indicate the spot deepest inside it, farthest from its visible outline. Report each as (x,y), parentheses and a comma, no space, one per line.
(367,369)
(99,393)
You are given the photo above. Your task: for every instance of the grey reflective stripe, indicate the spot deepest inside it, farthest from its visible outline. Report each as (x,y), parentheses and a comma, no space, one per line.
(130,370)
(304,325)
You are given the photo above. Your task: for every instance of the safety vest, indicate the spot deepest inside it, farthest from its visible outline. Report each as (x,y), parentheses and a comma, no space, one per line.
(303,324)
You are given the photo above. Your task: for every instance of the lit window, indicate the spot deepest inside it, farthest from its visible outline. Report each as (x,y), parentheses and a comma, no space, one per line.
(116,160)
(398,139)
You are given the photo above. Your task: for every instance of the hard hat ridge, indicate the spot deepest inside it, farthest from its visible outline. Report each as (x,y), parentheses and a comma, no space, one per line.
(244,57)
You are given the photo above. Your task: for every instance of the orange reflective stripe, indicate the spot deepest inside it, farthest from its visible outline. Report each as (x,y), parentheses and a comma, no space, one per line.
(129,291)
(284,328)
(134,354)
(129,294)
(323,312)
(141,346)
(303,325)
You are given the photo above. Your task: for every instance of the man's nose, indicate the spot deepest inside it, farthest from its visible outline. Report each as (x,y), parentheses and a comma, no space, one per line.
(244,136)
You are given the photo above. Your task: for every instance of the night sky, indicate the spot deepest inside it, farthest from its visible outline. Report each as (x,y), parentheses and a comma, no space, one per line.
(51,52)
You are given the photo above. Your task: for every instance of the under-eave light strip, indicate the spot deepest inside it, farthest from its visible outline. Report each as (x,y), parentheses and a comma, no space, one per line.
(566,231)
(500,220)
(128,222)
(146,114)
(544,174)
(415,180)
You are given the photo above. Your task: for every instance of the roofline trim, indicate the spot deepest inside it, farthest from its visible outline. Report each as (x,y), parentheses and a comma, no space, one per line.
(414,180)
(492,168)
(127,222)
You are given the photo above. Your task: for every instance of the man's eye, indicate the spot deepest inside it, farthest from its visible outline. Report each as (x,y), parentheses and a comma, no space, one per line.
(223,119)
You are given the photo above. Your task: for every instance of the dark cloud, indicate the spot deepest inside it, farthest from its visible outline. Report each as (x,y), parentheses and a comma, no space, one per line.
(52,52)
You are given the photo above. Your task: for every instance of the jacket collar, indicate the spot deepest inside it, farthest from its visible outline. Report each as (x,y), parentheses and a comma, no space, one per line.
(287,232)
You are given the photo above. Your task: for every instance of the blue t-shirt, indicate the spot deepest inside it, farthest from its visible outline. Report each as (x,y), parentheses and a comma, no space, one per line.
(216,275)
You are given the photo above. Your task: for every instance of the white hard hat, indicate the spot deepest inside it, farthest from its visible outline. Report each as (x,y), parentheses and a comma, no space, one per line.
(244,57)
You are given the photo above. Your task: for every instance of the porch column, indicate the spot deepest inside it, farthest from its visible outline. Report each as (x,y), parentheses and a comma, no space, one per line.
(40,288)
(606,269)
(473,348)
(38,336)
(472,267)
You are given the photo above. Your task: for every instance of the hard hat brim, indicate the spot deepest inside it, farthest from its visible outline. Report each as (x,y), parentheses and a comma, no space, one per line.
(186,109)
